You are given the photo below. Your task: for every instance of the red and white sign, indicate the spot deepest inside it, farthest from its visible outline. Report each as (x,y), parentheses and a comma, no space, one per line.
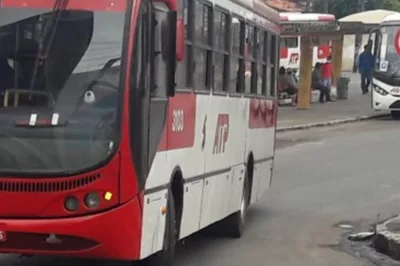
(397,42)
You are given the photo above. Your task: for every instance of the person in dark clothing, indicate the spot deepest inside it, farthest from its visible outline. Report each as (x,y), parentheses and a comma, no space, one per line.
(365,66)
(317,83)
(287,84)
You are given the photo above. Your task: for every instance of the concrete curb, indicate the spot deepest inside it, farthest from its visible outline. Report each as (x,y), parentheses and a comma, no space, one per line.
(331,122)
(387,238)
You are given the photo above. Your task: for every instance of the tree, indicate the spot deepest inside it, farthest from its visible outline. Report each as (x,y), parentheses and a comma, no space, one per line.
(342,8)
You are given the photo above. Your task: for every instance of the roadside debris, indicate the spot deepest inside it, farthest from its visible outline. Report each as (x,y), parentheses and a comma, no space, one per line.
(362,236)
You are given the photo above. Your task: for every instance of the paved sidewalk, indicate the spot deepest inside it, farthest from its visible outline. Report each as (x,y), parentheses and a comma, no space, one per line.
(356,107)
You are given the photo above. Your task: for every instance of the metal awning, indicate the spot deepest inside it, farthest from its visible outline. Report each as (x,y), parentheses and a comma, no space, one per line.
(324,28)
(356,27)
(308,27)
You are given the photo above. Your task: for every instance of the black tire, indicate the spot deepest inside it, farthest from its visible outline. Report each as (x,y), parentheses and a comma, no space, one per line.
(395,114)
(166,256)
(236,222)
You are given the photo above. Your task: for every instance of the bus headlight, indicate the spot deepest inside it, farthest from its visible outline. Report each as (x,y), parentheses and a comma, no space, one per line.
(380,91)
(92,200)
(71,204)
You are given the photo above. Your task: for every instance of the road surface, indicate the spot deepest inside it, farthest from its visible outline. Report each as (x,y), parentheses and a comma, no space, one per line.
(323,177)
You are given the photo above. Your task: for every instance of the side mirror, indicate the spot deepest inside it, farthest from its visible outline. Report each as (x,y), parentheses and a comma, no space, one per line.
(169,35)
(180,40)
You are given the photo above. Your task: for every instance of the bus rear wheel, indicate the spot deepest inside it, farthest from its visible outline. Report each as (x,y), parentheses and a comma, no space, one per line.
(235,223)
(166,256)
(395,114)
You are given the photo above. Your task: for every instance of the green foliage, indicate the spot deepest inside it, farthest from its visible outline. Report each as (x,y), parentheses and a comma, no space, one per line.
(342,8)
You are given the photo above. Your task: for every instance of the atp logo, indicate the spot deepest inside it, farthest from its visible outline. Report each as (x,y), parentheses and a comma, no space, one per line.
(221,134)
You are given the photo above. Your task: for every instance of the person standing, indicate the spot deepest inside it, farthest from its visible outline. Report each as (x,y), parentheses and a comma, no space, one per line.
(365,66)
(327,72)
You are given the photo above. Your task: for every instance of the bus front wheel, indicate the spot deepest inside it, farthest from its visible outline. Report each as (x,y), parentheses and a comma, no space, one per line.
(395,114)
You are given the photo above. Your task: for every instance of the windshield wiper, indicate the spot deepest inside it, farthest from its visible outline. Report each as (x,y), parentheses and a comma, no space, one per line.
(102,71)
(50,28)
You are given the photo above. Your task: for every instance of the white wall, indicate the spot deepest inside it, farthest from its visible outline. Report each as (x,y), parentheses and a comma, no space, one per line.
(348,51)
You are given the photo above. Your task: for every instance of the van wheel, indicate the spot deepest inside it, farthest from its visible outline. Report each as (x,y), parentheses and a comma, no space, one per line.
(166,256)
(235,223)
(395,114)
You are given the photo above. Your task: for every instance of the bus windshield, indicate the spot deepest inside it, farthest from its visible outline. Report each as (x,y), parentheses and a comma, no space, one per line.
(59,89)
(386,57)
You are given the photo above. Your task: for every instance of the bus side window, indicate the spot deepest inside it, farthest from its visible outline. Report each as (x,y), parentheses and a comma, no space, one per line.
(273,63)
(202,64)
(221,51)
(250,62)
(263,65)
(159,69)
(184,72)
(236,73)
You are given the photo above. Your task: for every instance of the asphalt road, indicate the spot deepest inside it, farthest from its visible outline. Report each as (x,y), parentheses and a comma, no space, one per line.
(323,177)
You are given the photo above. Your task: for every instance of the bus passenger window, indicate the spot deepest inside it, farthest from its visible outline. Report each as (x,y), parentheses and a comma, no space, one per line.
(250,62)
(236,66)
(273,64)
(184,70)
(202,44)
(221,50)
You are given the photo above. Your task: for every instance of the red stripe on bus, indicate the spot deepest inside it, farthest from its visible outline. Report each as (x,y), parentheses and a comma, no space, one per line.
(326,18)
(262,113)
(179,130)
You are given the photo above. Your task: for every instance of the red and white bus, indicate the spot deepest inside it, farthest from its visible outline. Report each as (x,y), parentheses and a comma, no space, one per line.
(128,125)
(290,45)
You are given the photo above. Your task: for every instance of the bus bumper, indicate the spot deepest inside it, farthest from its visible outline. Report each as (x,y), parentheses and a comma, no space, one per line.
(385,102)
(114,234)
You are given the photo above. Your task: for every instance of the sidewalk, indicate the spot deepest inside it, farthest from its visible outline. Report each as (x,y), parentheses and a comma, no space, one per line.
(356,107)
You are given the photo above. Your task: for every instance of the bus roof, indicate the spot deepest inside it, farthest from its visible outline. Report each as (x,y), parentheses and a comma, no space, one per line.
(295,16)
(391,18)
(256,11)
